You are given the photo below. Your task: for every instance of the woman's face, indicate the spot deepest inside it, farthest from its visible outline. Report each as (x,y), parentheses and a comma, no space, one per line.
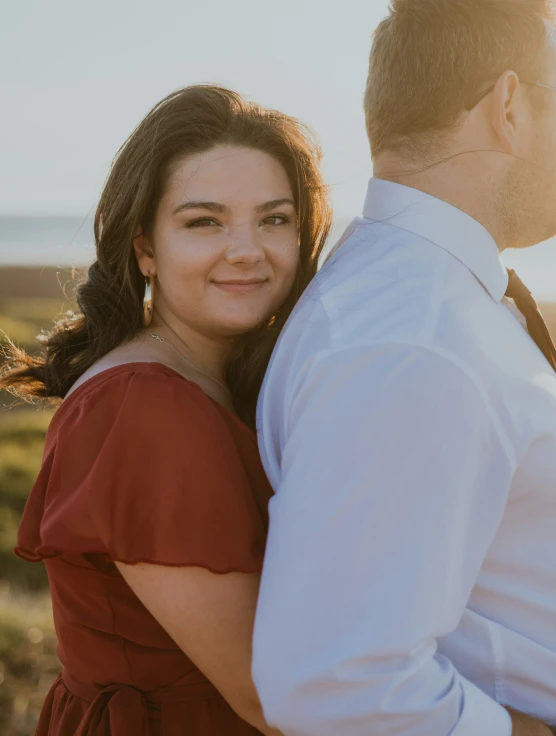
(225,244)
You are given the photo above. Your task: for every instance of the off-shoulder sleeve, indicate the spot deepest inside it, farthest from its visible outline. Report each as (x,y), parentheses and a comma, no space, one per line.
(146,470)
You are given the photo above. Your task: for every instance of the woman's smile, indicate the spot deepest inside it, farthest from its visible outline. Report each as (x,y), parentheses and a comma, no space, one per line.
(241,286)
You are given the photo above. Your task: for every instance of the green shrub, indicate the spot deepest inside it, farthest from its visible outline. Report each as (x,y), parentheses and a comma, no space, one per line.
(23,426)
(21,445)
(20,332)
(40,312)
(18,573)
(28,661)
(19,466)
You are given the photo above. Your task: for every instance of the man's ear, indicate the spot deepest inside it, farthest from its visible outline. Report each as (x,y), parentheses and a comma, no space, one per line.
(144,253)
(507,111)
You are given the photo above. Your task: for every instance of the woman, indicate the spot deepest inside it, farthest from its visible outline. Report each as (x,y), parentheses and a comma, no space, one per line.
(150,507)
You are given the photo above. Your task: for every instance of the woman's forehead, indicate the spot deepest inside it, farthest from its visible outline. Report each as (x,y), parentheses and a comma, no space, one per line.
(228,174)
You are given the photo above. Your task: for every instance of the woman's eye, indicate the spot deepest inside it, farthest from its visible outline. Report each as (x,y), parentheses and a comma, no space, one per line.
(203,222)
(276,220)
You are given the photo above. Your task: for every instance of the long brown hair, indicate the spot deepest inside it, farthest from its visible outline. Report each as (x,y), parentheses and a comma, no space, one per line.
(189,121)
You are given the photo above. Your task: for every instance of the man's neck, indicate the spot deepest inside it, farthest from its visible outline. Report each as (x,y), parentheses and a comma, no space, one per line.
(453,182)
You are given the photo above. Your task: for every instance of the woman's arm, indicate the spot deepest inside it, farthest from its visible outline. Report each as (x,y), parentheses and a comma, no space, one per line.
(210,617)
(523,725)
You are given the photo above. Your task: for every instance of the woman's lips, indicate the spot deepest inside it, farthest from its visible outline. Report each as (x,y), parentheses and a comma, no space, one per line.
(240,287)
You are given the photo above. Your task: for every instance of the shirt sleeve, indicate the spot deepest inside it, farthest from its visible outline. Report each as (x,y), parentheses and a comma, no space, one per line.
(146,470)
(394,479)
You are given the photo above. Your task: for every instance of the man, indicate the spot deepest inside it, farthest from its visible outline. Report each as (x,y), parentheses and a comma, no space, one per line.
(408,419)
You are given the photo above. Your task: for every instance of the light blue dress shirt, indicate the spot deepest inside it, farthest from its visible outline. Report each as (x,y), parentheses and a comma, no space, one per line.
(408,426)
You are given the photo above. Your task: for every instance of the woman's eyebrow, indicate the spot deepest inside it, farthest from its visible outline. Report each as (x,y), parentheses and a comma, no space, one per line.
(274,203)
(219,207)
(197,205)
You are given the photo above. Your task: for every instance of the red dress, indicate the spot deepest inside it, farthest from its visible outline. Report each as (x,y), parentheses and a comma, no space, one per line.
(140,465)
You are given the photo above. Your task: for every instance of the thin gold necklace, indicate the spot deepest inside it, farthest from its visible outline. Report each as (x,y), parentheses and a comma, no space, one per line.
(207,375)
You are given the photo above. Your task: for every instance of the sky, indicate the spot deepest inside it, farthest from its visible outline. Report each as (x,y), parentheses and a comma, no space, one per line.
(77,76)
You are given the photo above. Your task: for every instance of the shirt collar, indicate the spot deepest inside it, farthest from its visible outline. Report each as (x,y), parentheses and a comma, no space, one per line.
(442,224)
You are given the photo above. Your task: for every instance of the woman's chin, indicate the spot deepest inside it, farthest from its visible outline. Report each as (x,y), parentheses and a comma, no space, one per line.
(239,326)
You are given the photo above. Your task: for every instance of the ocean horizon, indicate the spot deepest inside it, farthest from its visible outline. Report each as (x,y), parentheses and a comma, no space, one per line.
(46,240)
(68,241)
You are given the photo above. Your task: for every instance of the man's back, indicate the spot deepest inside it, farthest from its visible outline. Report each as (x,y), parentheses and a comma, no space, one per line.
(449,522)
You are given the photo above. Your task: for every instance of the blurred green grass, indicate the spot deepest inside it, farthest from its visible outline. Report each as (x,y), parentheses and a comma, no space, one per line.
(22,431)
(28,661)
(21,441)
(22,319)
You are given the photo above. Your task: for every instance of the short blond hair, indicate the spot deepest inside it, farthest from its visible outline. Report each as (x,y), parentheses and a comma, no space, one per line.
(431,58)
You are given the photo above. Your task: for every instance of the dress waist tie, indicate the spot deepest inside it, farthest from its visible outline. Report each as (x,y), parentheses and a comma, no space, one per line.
(121,710)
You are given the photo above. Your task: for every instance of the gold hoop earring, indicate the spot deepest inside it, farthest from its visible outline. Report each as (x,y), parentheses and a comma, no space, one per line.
(148,301)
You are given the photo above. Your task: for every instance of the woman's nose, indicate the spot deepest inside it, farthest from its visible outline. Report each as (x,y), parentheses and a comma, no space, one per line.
(245,246)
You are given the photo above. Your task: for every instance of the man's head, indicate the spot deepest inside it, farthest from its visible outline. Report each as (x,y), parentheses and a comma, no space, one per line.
(448,77)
